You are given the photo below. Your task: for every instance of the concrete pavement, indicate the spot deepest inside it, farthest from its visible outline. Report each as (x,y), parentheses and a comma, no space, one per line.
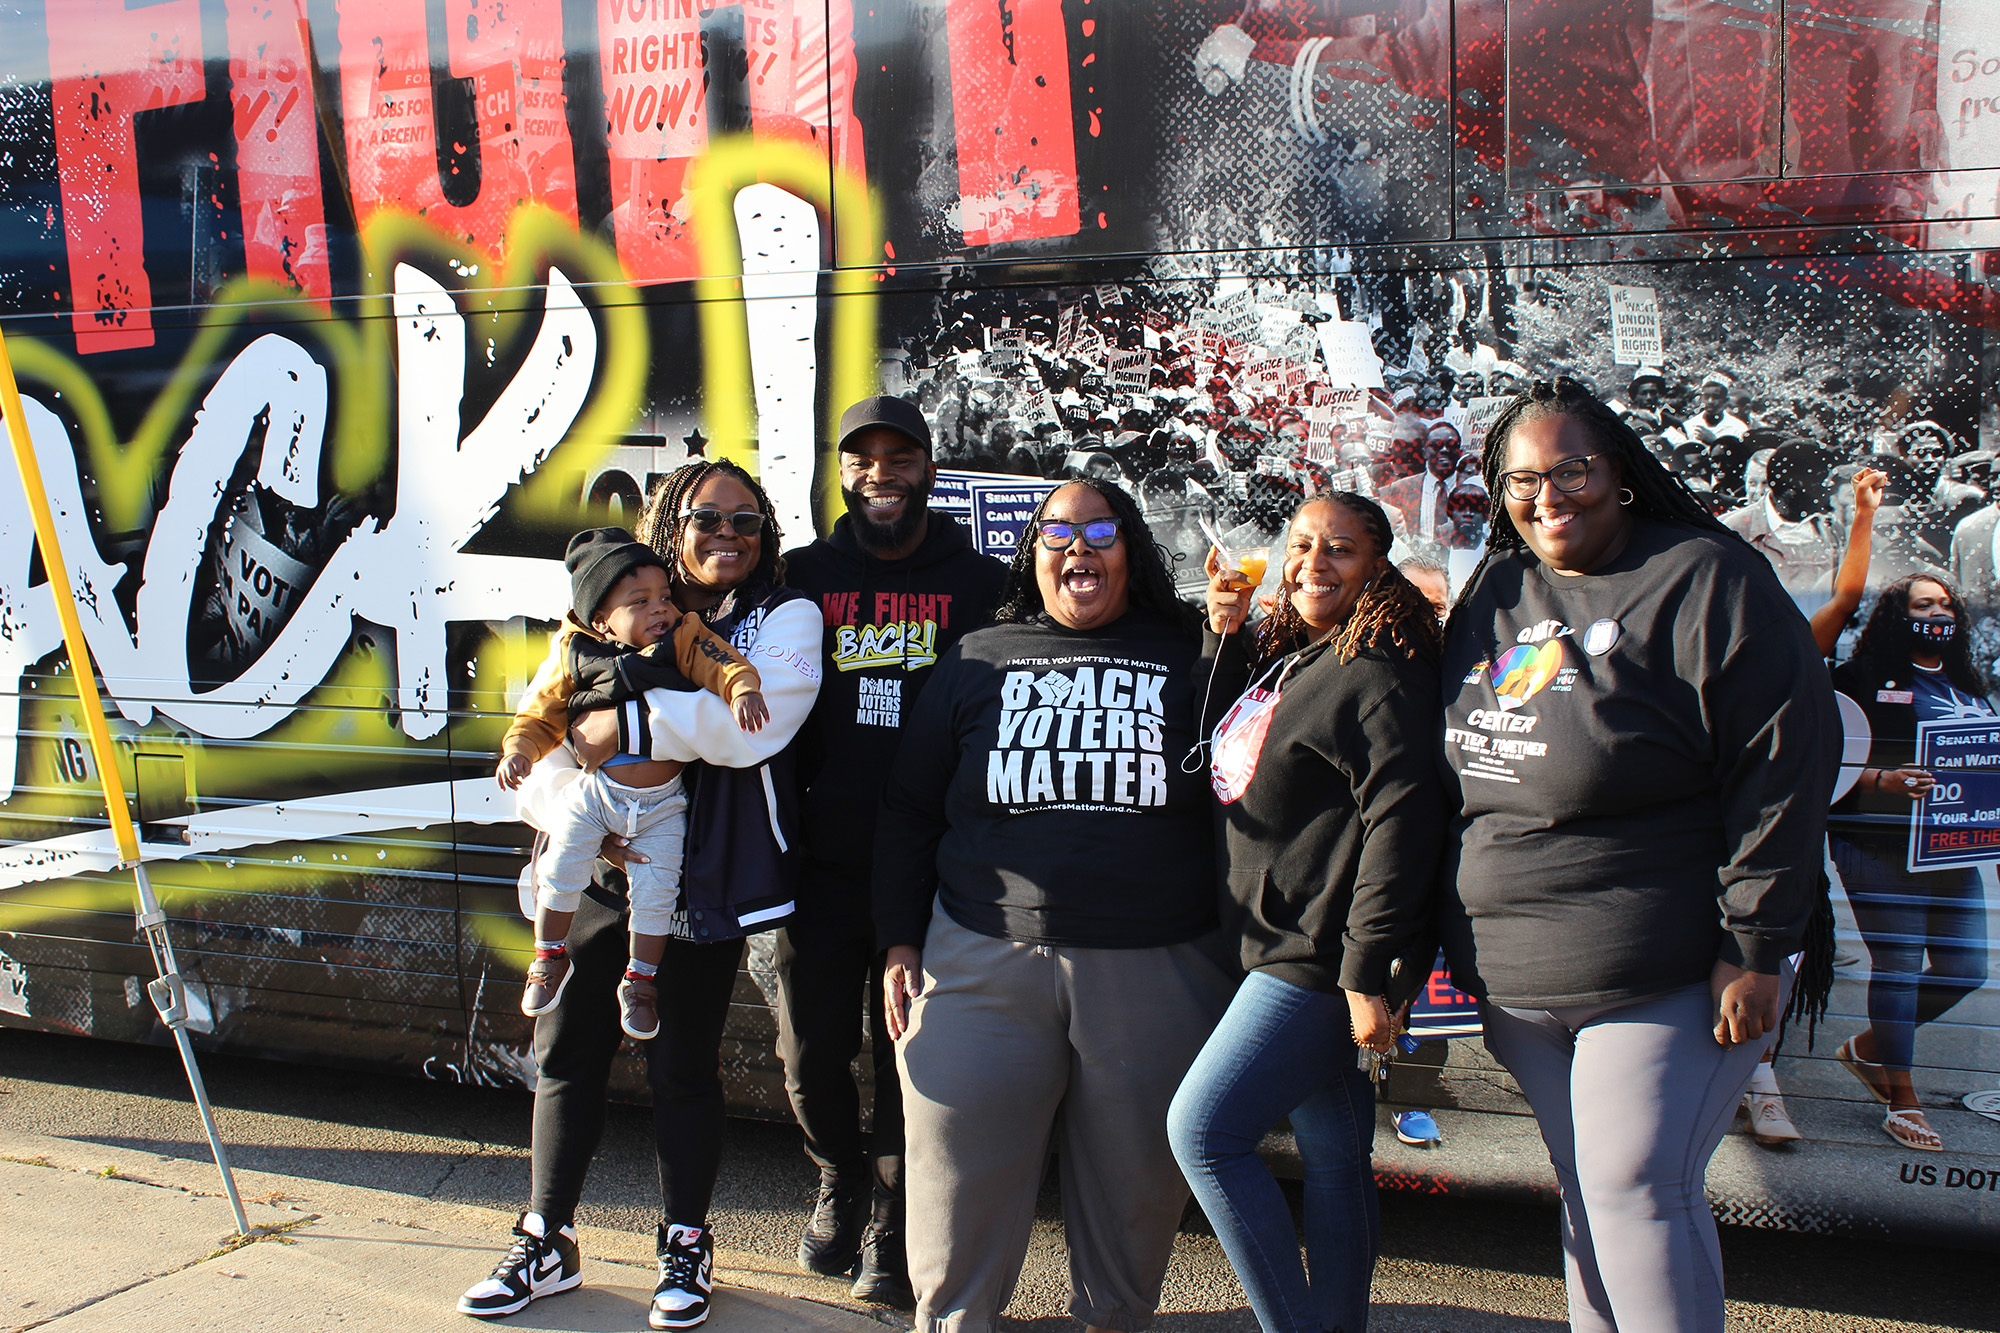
(107,1241)
(453,1159)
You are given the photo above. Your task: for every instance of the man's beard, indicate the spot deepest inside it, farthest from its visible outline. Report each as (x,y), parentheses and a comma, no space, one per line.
(892,536)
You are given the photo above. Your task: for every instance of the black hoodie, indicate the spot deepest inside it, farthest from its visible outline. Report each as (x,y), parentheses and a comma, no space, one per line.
(1329,855)
(887,624)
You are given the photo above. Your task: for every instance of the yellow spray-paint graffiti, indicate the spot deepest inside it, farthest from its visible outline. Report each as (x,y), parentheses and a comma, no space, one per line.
(346,722)
(357,347)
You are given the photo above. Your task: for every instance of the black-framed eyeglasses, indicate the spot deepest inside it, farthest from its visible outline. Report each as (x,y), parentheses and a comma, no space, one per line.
(1058,533)
(1568,475)
(744,522)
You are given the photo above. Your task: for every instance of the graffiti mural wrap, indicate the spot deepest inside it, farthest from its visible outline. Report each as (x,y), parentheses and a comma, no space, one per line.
(335,318)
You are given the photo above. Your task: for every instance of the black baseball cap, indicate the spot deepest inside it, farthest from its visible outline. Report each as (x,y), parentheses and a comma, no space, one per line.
(886,410)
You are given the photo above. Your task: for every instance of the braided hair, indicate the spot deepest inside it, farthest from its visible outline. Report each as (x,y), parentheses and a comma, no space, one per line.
(1883,647)
(1656,492)
(662,523)
(1148,584)
(1390,607)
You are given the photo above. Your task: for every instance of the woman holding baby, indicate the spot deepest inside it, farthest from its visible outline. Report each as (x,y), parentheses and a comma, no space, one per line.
(714,529)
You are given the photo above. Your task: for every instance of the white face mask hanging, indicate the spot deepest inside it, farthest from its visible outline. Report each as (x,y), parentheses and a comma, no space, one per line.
(1238,741)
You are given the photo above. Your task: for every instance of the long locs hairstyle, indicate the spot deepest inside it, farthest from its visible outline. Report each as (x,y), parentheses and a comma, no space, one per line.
(1390,608)
(1656,493)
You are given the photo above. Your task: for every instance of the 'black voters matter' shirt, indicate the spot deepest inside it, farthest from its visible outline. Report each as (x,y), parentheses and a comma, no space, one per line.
(1039,797)
(1643,758)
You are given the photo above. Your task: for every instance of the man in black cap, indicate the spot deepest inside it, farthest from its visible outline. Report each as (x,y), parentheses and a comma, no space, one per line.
(899,583)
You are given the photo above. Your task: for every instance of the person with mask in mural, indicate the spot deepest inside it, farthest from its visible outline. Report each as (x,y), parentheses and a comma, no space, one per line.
(898,583)
(1325,769)
(715,528)
(620,608)
(1630,870)
(1763,1108)
(1045,885)
(1910,665)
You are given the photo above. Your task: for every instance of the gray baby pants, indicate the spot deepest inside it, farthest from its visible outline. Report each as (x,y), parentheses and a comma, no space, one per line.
(593,807)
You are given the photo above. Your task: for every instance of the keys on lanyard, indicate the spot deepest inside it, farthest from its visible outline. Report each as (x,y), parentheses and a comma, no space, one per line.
(1375,1064)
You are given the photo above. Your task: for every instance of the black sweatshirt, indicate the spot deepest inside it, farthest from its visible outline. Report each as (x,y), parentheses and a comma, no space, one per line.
(888,622)
(1643,758)
(1329,856)
(1039,795)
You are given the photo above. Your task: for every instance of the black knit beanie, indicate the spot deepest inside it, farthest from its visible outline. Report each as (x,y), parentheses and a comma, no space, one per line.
(596,560)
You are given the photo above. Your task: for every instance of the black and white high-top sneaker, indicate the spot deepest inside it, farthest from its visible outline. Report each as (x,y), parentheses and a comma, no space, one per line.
(687,1274)
(536,1265)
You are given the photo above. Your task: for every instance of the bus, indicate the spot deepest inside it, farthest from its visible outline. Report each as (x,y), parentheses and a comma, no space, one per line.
(334,318)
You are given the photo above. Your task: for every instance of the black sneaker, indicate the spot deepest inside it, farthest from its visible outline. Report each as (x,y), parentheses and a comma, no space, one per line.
(687,1274)
(536,1265)
(884,1278)
(832,1239)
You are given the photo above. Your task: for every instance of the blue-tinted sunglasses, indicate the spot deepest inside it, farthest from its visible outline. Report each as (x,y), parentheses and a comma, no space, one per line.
(1058,533)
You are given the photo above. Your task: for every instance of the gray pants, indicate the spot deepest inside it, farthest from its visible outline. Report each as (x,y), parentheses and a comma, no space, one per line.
(654,818)
(1012,1046)
(1632,1099)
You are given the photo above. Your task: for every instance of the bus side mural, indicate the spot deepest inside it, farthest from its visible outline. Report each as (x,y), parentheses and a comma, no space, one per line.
(335,317)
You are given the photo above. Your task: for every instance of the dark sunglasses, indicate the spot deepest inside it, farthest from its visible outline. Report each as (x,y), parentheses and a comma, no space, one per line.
(746,523)
(1058,533)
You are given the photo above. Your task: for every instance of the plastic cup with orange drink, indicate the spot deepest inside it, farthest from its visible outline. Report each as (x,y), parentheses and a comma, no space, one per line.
(1249,564)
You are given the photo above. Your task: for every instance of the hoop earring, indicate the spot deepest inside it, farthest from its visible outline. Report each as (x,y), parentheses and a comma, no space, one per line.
(1624,495)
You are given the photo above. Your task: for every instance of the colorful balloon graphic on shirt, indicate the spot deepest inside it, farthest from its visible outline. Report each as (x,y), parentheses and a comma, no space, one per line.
(1522,671)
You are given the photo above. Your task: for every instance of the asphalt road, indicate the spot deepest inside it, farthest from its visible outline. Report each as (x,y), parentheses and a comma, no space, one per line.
(1450,1265)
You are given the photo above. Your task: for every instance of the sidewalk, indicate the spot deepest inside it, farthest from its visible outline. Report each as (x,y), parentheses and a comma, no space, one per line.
(107,1240)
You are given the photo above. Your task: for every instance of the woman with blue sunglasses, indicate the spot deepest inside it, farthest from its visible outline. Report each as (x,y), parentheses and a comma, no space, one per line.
(1044,884)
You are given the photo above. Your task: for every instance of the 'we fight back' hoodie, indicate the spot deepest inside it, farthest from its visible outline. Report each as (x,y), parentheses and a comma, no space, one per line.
(887,624)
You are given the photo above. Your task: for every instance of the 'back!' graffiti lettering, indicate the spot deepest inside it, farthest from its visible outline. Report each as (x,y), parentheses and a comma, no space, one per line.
(408,573)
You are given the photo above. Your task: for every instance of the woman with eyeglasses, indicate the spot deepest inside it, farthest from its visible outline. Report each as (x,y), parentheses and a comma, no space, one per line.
(1325,767)
(1642,740)
(715,527)
(1044,885)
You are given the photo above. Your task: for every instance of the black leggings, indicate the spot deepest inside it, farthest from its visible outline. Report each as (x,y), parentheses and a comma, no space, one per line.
(576,1042)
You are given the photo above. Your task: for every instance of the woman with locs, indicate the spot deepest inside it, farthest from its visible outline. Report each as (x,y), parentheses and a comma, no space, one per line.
(1326,774)
(1044,885)
(1910,665)
(1641,737)
(719,534)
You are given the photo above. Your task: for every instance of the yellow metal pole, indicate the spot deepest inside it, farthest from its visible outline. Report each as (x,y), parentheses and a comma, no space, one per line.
(72,627)
(168,992)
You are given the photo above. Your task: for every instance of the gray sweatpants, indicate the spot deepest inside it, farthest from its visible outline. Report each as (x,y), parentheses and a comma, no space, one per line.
(654,818)
(1011,1046)
(1632,1099)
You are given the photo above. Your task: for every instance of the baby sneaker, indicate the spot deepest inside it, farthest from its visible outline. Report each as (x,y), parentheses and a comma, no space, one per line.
(639,1007)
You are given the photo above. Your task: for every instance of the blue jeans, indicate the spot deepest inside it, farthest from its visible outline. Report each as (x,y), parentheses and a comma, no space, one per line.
(1282,1050)
(1903,917)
